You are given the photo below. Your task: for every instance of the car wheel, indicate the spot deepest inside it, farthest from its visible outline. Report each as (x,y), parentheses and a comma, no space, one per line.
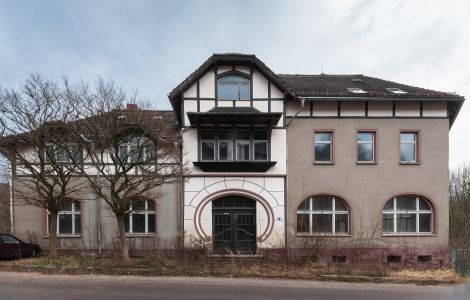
(33,253)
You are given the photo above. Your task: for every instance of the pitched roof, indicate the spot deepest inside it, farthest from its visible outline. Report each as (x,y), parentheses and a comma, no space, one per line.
(337,86)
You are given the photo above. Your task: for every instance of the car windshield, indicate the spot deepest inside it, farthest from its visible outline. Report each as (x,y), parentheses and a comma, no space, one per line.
(8,239)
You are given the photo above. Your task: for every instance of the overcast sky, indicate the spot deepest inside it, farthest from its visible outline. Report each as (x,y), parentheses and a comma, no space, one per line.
(152,46)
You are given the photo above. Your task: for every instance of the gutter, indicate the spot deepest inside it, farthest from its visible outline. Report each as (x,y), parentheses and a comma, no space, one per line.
(12,209)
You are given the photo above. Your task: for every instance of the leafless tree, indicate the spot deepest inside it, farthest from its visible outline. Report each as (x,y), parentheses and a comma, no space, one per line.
(459,206)
(34,126)
(129,152)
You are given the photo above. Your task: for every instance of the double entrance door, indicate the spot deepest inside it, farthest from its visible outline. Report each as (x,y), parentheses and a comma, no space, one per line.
(234,225)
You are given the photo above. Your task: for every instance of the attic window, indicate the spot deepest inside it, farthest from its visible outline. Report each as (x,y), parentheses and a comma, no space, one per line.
(396,91)
(233,87)
(357,91)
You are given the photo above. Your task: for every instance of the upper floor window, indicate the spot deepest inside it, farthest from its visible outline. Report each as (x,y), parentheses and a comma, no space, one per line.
(323,214)
(136,150)
(141,218)
(408,214)
(408,147)
(68,220)
(233,87)
(238,144)
(324,147)
(366,146)
(62,154)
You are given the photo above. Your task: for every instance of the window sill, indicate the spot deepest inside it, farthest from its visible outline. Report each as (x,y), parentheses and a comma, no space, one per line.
(410,163)
(408,234)
(319,163)
(141,234)
(60,236)
(366,163)
(323,235)
(234,166)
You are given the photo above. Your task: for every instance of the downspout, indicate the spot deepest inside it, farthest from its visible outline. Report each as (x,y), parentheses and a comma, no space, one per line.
(12,200)
(302,104)
(98,217)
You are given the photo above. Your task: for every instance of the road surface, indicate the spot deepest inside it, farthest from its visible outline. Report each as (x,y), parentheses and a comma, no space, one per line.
(15,286)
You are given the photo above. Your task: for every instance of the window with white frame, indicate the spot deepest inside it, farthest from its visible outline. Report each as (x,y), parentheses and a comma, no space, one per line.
(141,218)
(62,154)
(323,214)
(366,147)
(408,147)
(68,220)
(135,150)
(323,147)
(240,144)
(408,214)
(233,87)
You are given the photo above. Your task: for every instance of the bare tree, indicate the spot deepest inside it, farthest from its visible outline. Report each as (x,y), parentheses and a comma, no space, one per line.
(129,152)
(459,206)
(34,123)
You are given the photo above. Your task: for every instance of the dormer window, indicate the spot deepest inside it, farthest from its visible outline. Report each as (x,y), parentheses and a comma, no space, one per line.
(357,91)
(396,91)
(233,87)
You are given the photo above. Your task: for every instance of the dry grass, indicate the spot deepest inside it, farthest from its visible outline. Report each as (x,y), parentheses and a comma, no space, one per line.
(232,267)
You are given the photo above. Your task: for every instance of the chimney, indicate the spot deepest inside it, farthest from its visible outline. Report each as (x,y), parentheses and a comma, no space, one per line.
(132,106)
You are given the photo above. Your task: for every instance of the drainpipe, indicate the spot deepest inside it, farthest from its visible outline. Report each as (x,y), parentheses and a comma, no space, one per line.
(302,104)
(12,209)
(98,216)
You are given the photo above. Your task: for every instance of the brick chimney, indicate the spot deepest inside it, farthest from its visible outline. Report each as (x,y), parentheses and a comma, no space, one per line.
(132,106)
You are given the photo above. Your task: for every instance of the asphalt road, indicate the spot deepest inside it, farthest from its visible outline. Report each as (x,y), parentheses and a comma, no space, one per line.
(15,286)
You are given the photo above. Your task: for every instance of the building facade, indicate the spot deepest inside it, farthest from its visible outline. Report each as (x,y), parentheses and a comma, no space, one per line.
(280,161)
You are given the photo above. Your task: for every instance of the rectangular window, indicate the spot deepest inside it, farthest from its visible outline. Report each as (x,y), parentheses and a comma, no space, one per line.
(141,218)
(366,147)
(408,147)
(62,154)
(225,145)
(207,145)
(260,144)
(324,147)
(68,220)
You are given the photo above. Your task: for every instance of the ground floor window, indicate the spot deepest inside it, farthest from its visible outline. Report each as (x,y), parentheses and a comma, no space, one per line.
(323,214)
(68,220)
(141,218)
(408,214)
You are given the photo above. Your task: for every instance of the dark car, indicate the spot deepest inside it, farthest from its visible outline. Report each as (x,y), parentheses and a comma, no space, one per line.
(12,247)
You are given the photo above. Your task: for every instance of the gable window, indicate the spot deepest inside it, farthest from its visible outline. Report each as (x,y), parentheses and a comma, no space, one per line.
(408,214)
(323,214)
(141,218)
(323,147)
(233,87)
(366,147)
(226,144)
(68,220)
(62,154)
(409,147)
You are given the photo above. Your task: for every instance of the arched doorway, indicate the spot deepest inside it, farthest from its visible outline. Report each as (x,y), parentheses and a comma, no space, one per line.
(234,225)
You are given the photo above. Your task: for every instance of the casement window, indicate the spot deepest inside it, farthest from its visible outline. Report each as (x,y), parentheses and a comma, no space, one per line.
(69,219)
(408,214)
(62,154)
(366,147)
(323,147)
(238,144)
(409,147)
(135,150)
(141,218)
(323,214)
(233,87)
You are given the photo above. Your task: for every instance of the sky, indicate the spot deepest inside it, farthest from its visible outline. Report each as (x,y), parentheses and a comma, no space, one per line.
(151,46)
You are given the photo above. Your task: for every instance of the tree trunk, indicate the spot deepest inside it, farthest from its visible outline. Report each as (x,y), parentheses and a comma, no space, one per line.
(122,238)
(53,253)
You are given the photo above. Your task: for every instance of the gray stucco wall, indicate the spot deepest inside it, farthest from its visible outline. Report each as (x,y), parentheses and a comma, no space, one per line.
(30,223)
(367,188)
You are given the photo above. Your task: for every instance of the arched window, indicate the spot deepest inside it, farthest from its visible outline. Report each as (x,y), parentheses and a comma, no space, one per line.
(141,218)
(323,214)
(408,214)
(233,87)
